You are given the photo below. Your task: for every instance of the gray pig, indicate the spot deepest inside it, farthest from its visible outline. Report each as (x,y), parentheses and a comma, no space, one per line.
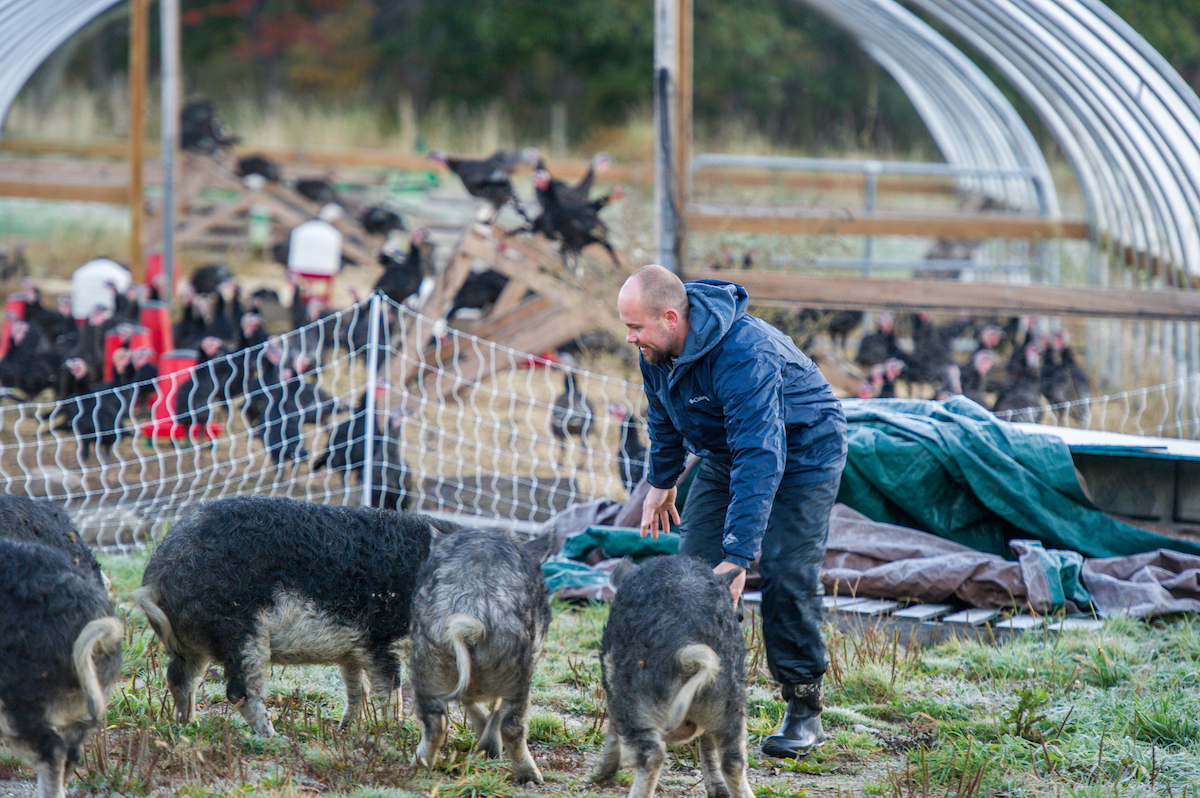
(479,619)
(674,666)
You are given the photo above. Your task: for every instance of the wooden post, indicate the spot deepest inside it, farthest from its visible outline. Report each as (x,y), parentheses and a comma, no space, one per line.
(137,128)
(683,128)
(665,64)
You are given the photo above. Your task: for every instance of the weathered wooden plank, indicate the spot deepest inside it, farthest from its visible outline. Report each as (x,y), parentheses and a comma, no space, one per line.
(191,228)
(822,291)
(510,296)
(494,326)
(306,155)
(822,181)
(815,221)
(85,192)
(96,149)
(548,330)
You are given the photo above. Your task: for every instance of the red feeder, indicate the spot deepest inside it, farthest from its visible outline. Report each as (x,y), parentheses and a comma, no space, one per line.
(315,286)
(14,308)
(154,270)
(174,369)
(155,316)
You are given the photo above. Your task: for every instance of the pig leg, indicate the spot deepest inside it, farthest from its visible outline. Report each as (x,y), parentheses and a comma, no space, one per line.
(610,757)
(432,712)
(733,766)
(51,776)
(183,677)
(246,676)
(47,755)
(513,730)
(647,752)
(352,679)
(486,724)
(714,780)
(384,673)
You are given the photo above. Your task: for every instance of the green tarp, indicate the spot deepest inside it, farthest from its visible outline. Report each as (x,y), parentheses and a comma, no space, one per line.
(618,541)
(952,469)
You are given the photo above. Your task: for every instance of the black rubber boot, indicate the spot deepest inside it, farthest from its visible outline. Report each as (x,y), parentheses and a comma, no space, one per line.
(801,730)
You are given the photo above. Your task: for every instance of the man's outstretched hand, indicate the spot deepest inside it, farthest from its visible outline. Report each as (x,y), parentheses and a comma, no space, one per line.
(658,511)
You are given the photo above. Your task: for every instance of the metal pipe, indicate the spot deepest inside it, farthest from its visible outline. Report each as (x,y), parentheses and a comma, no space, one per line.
(373,309)
(168,11)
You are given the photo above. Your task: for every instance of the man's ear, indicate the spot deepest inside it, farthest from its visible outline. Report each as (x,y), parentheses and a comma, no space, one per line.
(671,315)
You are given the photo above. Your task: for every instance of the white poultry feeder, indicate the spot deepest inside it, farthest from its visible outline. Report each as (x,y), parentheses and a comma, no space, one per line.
(92,285)
(315,253)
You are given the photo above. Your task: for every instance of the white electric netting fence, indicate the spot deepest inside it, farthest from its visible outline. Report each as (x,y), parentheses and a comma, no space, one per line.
(461,425)
(457,424)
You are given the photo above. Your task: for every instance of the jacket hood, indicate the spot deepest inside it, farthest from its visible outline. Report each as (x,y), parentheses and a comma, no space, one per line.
(714,306)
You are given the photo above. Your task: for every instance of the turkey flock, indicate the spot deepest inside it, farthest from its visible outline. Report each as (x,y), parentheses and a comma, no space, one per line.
(1013,369)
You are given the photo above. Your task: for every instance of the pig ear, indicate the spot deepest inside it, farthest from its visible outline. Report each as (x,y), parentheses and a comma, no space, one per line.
(437,530)
(438,527)
(540,548)
(727,578)
(623,570)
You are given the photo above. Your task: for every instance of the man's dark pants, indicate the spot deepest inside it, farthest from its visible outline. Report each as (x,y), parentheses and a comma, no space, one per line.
(793,551)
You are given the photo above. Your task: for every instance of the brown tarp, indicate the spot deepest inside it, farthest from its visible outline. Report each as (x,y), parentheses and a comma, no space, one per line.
(877,560)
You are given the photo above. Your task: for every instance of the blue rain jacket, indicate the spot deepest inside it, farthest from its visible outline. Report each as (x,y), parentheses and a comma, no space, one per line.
(741,393)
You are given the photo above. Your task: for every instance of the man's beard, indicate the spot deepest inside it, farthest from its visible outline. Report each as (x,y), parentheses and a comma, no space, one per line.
(657,357)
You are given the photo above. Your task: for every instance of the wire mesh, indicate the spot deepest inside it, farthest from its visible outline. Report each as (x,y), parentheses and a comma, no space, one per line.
(477,429)
(456,424)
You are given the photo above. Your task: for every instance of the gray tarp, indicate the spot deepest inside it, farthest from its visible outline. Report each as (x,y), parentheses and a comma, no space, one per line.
(868,558)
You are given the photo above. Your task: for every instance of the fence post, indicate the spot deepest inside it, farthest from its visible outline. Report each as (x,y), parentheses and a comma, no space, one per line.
(373,308)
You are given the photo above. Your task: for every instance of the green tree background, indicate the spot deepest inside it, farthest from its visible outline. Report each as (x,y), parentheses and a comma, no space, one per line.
(771,66)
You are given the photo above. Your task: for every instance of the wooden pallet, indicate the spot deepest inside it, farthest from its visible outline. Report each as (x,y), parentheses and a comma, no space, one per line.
(561,308)
(200,219)
(929,624)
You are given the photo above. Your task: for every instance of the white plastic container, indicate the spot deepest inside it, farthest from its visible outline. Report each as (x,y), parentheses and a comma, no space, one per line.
(90,286)
(315,249)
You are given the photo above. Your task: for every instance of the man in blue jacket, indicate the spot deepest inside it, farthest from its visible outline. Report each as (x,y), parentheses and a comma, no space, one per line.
(772,441)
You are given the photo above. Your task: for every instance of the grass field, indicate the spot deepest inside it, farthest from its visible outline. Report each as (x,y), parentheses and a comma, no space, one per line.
(1113,712)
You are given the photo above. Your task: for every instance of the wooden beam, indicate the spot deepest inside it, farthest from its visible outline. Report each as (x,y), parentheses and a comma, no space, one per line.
(510,296)
(95,149)
(498,323)
(713,178)
(683,119)
(819,291)
(811,221)
(138,55)
(117,194)
(548,329)
(222,215)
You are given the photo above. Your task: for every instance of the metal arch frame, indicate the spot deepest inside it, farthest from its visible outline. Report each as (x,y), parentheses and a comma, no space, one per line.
(1052,97)
(940,81)
(33,30)
(1130,126)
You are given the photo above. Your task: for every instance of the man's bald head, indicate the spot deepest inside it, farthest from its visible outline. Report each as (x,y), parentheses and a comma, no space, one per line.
(658,289)
(653,305)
